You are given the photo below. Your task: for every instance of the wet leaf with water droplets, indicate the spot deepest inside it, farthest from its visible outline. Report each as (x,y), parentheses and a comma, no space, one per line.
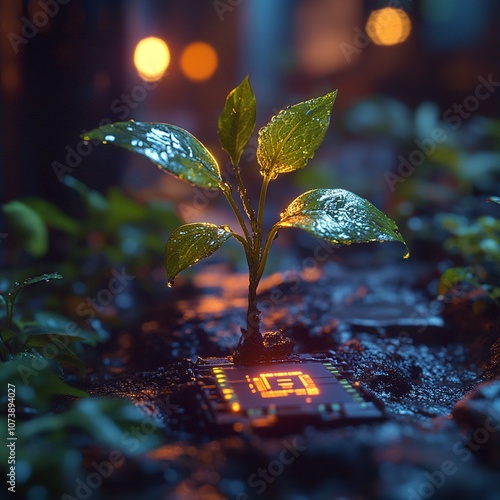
(237,120)
(292,137)
(190,243)
(37,279)
(340,217)
(18,286)
(172,149)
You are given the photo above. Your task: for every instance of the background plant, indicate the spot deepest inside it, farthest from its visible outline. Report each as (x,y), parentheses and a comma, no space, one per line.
(114,228)
(53,448)
(285,144)
(33,336)
(54,434)
(477,244)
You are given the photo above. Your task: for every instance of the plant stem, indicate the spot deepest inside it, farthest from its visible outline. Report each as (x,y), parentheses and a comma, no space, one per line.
(260,213)
(251,244)
(236,210)
(9,306)
(253,335)
(244,197)
(265,251)
(243,241)
(4,345)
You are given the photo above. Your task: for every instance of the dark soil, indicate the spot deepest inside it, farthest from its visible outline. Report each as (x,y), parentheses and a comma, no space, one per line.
(432,363)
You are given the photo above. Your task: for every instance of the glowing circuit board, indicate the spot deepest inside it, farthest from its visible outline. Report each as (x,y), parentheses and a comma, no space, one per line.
(309,388)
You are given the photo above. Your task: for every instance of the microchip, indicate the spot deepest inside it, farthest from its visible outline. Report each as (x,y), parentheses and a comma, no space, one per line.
(310,389)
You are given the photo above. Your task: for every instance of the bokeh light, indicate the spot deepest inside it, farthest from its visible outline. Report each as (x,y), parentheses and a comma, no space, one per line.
(199,61)
(151,58)
(388,26)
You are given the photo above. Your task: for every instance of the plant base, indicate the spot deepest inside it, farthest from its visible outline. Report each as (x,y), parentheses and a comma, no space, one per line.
(275,346)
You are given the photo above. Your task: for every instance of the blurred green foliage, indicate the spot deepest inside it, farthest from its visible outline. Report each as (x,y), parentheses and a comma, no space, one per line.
(52,451)
(27,228)
(477,244)
(56,434)
(115,227)
(476,241)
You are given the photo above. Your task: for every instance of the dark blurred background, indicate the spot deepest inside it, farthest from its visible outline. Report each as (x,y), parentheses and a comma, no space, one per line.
(402,68)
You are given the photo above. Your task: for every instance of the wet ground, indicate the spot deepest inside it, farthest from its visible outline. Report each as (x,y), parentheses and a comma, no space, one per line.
(430,361)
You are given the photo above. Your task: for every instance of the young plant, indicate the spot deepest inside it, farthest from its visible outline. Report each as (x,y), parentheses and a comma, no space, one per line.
(285,144)
(31,338)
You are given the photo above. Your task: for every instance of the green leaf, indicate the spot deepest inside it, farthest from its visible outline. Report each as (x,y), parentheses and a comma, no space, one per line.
(94,201)
(123,209)
(106,421)
(28,228)
(7,334)
(190,243)
(50,322)
(339,217)
(18,286)
(60,351)
(170,148)
(36,383)
(292,137)
(53,216)
(237,120)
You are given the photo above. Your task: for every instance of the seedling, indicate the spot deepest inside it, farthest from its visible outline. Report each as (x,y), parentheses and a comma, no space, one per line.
(285,144)
(32,338)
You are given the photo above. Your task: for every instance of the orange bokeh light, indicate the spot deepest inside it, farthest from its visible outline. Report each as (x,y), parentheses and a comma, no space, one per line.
(199,61)
(388,26)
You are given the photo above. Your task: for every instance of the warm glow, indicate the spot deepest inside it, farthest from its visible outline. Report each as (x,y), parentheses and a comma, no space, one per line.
(199,61)
(388,26)
(235,407)
(327,35)
(151,58)
(282,384)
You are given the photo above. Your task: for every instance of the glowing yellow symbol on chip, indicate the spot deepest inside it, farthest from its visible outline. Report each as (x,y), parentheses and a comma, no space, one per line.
(282,384)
